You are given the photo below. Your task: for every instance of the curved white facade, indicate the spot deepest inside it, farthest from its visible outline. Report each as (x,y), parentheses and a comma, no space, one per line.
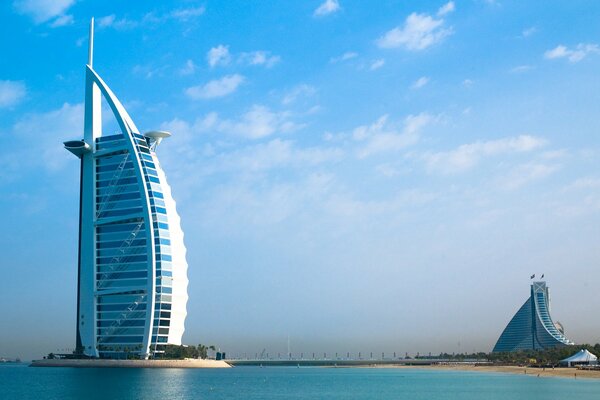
(132,284)
(178,251)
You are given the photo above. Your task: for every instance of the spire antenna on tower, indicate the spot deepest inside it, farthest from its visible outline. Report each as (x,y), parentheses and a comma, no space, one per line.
(91,44)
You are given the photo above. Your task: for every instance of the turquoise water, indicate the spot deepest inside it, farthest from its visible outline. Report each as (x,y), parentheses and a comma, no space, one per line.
(21,382)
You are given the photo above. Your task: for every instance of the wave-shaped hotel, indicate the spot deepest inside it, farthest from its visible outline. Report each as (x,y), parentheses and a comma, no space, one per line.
(532,327)
(132,273)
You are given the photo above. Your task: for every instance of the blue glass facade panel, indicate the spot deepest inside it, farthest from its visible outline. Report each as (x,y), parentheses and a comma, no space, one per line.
(532,327)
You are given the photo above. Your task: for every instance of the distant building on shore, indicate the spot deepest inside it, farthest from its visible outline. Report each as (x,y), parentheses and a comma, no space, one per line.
(532,327)
(132,272)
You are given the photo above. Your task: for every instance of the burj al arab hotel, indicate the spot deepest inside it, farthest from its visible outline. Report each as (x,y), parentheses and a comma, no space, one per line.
(132,272)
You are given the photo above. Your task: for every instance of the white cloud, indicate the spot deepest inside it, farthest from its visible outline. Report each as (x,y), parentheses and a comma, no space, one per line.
(387,170)
(446,9)
(384,136)
(11,93)
(111,21)
(526,173)
(184,14)
(521,68)
(377,64)
(346,56)
(63,20)
(326,8)
(105,21)
(585,183)
(529,31)
(218,56)
(44,130)
(188,69)
(215,88)
(419,83)
(148,71)
(180,15)
(43,10)
(467,156)
(573,55)
(298,91)
(419,32)
(275,153)
(256,123)
(259,57)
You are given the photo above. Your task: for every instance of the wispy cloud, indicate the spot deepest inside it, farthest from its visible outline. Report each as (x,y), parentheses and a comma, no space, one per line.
(276,153)
(528,32)
(521,68)
(256,123)
(148,71)
(60,124)
(326,8)
(111,21)
(387,136)
(188,69)
(215,88)
(573,55)
(11,93)
(45,10)
(259,57)
(377,64)
(584,183)
(221,56)
(446,9)
(466,156)
(419,32)
(526,173)
(183,14)
(180,15)
(63,20)
(302,90)
(218,56)
(419,83)
(344,57)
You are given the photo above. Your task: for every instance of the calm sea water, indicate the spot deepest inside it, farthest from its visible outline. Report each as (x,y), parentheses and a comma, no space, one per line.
(21,382)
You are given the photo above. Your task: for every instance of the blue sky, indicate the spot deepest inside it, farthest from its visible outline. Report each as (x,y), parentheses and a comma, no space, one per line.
(360,176)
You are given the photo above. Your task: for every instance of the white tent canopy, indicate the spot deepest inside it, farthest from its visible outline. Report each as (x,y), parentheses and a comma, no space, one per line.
(581,357)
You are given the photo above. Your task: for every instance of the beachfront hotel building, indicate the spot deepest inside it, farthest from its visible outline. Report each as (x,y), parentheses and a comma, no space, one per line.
(132,272)
(532,327)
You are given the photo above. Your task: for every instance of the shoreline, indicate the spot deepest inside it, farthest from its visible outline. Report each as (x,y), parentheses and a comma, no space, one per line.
(558,372)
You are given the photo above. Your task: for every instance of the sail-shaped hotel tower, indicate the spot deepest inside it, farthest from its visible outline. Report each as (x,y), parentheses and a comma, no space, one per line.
(532,328)
(132,273)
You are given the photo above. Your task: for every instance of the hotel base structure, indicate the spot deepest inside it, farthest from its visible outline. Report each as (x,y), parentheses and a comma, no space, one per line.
(532,327)
(132,272)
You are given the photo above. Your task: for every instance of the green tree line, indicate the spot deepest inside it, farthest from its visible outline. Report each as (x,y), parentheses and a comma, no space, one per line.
(174,352)
(550,356)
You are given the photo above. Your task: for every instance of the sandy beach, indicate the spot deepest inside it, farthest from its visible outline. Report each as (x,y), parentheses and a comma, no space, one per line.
(541,372)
